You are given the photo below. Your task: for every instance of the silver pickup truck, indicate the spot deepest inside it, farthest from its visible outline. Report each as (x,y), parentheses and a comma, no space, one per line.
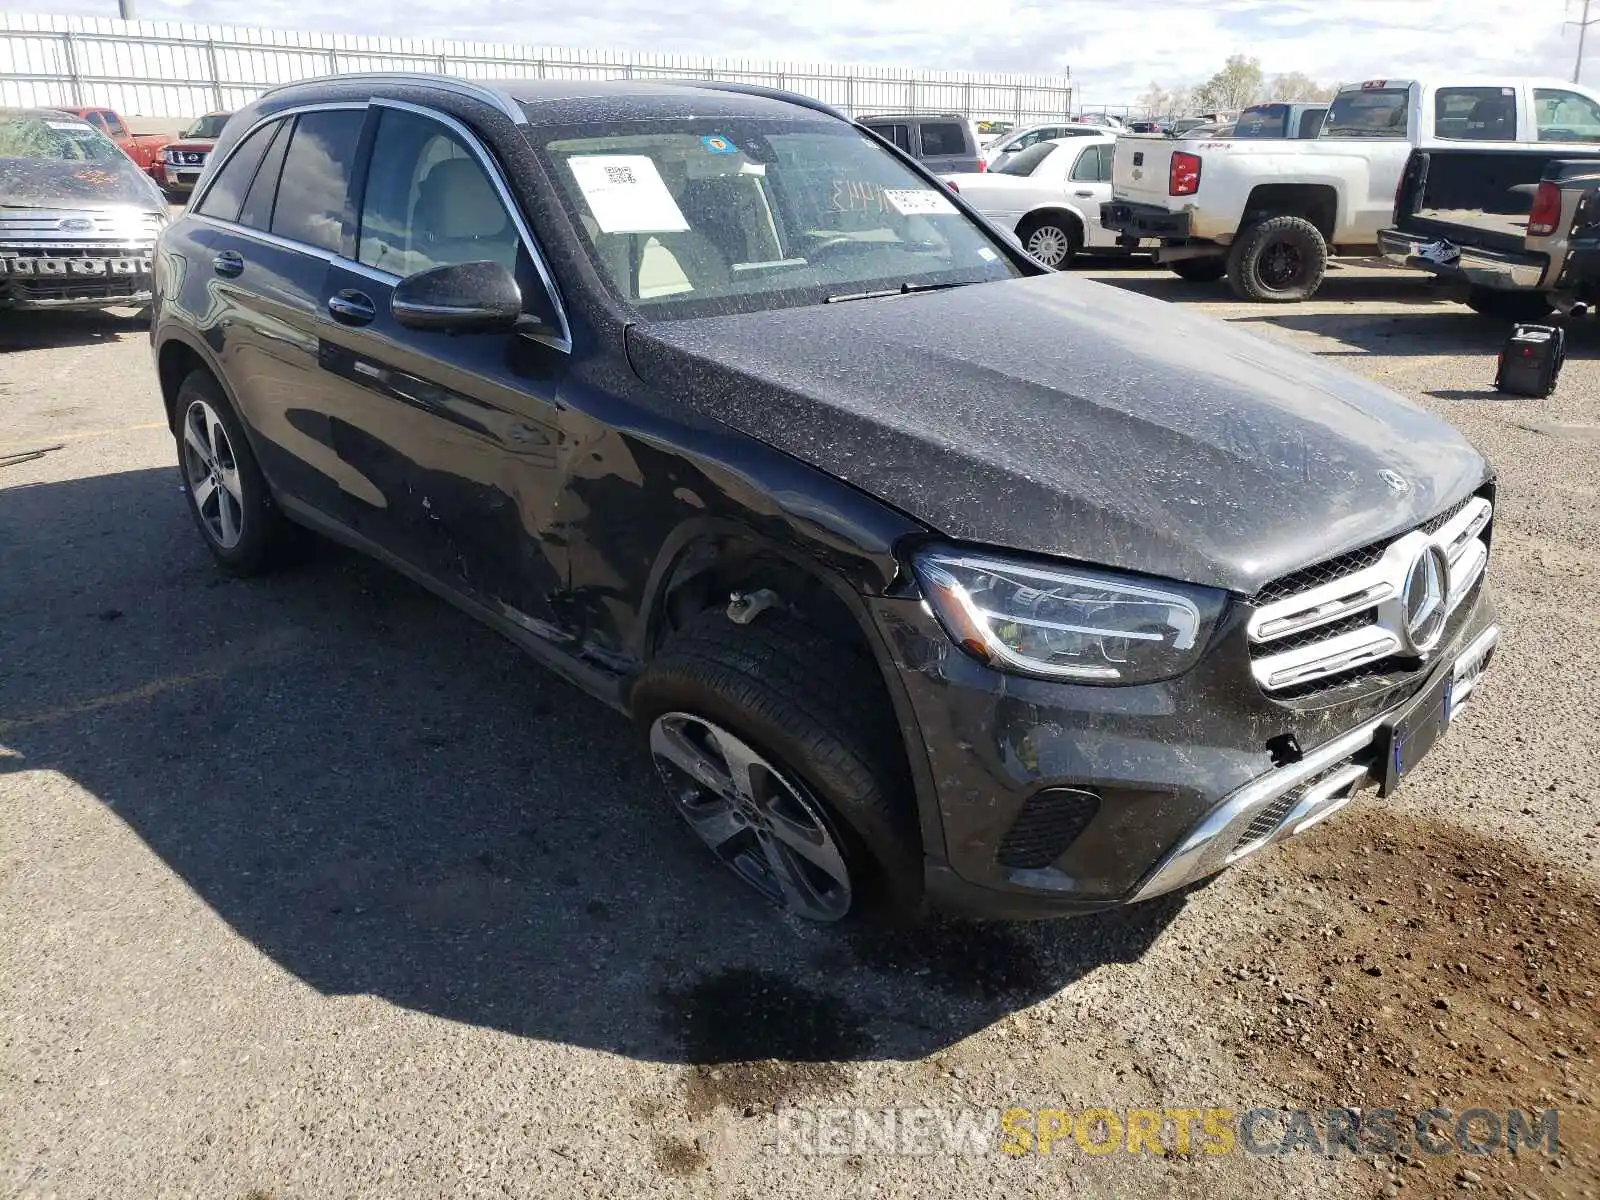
(78,221)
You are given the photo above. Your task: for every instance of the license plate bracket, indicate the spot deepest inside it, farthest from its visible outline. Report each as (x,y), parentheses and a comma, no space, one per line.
(1407,739)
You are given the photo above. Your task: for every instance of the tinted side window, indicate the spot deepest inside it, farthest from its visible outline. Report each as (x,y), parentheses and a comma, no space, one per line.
(1087,168)
(226,194)
(900,135)
(316,172)
(257,210)
(429,202)
(1476,114)
(943,138)
(114,127)
(1311,122)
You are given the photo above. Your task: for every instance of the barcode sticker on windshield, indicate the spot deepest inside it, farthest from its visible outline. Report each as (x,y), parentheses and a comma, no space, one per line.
(916,202)
(626,193)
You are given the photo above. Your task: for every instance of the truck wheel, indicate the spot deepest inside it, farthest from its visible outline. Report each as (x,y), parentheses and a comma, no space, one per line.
(1508,305)
(1277,261)
(779,750)
(1053,240)
(1199,270)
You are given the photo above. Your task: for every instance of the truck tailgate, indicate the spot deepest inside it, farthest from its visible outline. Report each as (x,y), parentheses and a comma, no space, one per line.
(1140,168)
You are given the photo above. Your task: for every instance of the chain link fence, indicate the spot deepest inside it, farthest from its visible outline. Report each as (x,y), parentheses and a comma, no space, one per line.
(165,69)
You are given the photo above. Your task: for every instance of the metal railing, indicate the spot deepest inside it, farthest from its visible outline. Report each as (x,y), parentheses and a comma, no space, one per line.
(164,69)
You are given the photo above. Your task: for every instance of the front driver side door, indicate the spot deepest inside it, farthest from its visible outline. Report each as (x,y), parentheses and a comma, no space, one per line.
(457,434)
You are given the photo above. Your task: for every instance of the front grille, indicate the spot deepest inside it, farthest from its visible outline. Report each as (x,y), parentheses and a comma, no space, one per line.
(31,227)
(1346,619)
(1048,823)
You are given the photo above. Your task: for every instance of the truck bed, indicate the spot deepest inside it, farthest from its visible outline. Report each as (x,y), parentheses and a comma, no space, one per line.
(1497,225)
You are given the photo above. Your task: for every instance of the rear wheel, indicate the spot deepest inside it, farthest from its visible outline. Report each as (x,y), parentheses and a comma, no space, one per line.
(228,496)
(1200,270)
(1053,240)
(1508,305)
(781,754)
(1277,261)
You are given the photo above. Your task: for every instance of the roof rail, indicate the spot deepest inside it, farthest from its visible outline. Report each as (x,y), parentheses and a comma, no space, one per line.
(768,93)
(464,87)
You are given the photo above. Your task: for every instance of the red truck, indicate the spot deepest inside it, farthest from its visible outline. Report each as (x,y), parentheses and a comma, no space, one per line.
(144,148)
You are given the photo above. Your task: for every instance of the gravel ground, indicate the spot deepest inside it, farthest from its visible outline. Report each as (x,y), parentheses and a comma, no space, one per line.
(311,888)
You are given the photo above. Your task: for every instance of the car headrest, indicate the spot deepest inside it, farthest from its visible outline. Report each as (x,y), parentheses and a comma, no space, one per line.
(457,201)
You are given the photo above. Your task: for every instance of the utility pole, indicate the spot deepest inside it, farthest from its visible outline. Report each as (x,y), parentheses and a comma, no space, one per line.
(125,10)
(1583,29)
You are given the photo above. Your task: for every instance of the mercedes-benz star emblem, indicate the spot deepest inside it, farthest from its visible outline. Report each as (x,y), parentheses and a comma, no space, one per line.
(1396,481)
(1427,590)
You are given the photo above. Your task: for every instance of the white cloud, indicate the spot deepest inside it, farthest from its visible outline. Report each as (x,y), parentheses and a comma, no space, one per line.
(1113,48)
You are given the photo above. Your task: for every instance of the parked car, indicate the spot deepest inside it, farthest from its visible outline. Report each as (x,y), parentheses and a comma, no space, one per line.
(78,221)
(1518,227)
(143,148)
(1050,195)
(946,142)
(1280,120)
(1269,214)
(185,159)
(1019,140)
(928,575)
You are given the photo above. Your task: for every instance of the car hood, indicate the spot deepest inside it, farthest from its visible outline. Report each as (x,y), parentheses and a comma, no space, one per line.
(1063,417)
(30,182)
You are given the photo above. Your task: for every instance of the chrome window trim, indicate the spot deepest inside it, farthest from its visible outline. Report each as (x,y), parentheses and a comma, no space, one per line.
(450,83)
(270,239)
(204,190)
(487,161)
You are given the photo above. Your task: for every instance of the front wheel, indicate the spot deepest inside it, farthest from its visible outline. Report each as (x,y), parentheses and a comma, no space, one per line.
(1053,240)
(1277,261)
(780,752)
(1502,305)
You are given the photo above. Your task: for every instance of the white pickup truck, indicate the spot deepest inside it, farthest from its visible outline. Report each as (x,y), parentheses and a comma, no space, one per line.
(1269,214)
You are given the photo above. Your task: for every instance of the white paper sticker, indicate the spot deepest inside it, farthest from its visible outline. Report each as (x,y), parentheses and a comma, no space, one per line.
(917,202)
(626,193)
(75,126)
(987,254)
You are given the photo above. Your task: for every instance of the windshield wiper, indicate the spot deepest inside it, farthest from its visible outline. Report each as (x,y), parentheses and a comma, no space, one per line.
(905,289)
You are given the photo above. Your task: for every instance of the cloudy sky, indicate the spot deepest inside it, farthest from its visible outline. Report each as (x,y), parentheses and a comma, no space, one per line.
(1114,48)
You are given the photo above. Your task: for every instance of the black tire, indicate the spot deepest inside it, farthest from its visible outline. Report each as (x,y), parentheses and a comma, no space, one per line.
(1501,305)
(1277,261)
(264,534)
(1059,230)
(815,708)
(1199,270)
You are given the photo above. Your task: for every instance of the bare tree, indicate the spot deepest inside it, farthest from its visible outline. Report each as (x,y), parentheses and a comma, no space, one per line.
(1156,100)
(1297,85)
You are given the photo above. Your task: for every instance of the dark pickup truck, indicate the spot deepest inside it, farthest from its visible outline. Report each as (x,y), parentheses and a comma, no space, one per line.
(1519,228)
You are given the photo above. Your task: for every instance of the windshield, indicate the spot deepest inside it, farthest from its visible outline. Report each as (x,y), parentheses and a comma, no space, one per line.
(1263,121)
(1370,112)
(54,139)
(1024,163)
(699,217)
(208,126)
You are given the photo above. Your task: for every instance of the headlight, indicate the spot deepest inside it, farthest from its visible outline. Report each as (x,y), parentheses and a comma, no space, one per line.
(1067,623)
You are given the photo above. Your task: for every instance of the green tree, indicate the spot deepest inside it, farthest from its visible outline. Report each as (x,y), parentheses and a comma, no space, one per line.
(1233,87)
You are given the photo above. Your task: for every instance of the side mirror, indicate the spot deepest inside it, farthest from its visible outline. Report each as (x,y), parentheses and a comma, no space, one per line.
(474,297)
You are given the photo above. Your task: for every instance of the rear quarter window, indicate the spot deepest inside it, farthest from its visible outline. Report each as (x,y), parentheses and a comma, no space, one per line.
(944,137)
(1369,113)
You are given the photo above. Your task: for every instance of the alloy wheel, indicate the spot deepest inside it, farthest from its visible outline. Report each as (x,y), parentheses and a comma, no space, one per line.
(1050,245)
(1282,266)
(757,818)
(212,473)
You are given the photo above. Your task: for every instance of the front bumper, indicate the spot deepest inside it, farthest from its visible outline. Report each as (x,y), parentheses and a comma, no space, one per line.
(1477,265)
(1191,775)
(62,276)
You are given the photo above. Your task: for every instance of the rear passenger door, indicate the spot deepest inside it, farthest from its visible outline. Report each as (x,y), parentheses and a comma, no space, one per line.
(456,435)
(1089,186)
(276,215)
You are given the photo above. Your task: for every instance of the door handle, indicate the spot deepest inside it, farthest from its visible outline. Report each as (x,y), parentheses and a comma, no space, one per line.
(1085,195)
(228,264)
(351,307)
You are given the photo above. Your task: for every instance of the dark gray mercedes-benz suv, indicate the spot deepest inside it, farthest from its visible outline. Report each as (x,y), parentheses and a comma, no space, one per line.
(928,575)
